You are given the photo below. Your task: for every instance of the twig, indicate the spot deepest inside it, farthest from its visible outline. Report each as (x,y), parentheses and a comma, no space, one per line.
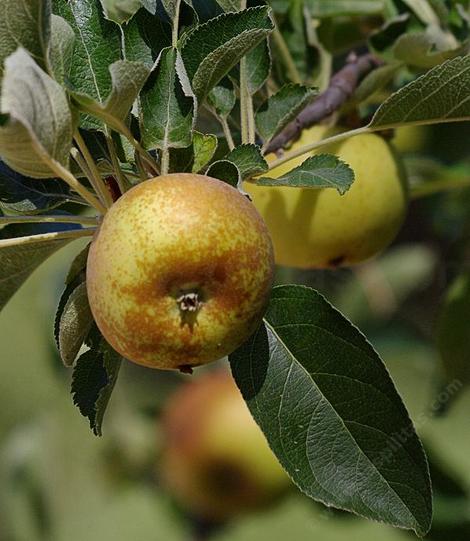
(83,220)
(48,237)
(341,87)
(285,55)
(227,132)
(95,176)
(67,176)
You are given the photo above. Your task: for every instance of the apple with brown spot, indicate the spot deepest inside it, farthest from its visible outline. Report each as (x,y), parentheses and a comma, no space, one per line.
(180,271)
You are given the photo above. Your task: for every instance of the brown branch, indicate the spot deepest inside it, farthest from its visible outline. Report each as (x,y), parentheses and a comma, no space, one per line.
(341,88)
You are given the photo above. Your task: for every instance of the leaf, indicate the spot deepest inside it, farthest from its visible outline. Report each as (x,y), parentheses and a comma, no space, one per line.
(248,159)
(281,108)
(25,23)
(22,195)
(319,171)
(168,107)
(440,95)
(97,46)
(74,325)
(423,10)
(120,11)
(418,49)
(93,380)
(195,157)
(226,171)
(337,8)
(36,118)
(230,5)
(17,263)
(222,98)
(453,329)
(258,66)
(135,47)
(61,49)
(295,30)
(128,78)
(331,413)
(215,47)
(204,149)
(75,277)
(375,81)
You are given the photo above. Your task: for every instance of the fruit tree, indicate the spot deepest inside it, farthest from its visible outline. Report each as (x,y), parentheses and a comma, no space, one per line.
(191,149)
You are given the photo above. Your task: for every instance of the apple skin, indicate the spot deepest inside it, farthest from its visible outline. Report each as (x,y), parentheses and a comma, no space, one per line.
(319,228)
(216,461)
(411,139)
(179,272)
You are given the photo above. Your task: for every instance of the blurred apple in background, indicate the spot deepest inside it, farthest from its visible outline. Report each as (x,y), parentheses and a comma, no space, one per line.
(216,462)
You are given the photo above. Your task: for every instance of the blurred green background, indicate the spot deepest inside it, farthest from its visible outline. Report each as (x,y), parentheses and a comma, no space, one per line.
(60,483)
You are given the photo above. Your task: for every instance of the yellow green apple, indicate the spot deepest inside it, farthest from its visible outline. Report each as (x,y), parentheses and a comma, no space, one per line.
(411,139)
(319,228)
(179,272)
(215,461)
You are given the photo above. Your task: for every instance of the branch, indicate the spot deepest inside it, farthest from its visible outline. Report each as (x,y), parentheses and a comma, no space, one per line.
(341,88)
(48,237)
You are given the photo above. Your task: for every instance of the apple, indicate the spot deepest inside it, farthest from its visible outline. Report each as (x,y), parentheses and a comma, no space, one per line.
(411,139)
(215,460)
(179,272)
(319,228)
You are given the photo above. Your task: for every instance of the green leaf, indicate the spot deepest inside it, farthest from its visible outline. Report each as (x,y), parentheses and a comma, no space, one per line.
(258,66)
(127,78)
(195,157)
(215,47)
(452,331)
(248,159)
(168,107)
(94,377)
(295,30)
(30,100)
(375,81)
(319,171)
(22,195)
(135,47)
(226,171)
(222,98)
(204,149)
(440,95)
(74,324)
(97,46)
(17,263)
(419,49)
(120,11)
(336,8)
(61,49)
(330,412)
(25,23)
(423,10)
(230,5)
(281,108)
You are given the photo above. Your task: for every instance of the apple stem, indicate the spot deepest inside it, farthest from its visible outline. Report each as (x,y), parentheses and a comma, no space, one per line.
(47,237)
(94,174)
